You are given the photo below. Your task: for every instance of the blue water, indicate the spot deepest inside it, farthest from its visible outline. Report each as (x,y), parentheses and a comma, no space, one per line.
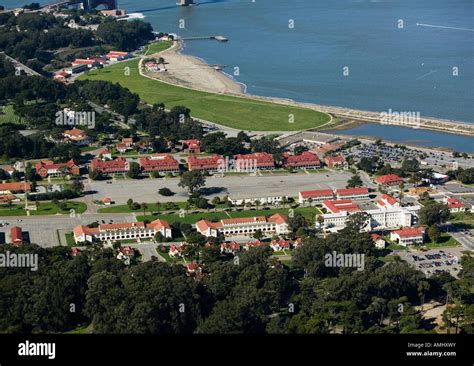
(406,69)
(410,136)
(409,69)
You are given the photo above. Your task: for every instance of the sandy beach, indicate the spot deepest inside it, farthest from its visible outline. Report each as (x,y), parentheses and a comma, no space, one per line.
(191,72)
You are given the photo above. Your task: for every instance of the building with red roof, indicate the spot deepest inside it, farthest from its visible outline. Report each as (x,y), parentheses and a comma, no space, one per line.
(244,226)
(192,146)
(387,201)
(352,193)
(85,61)
(316,196)
(334,161)
(117,55)
(108,167)
(379,242)
(253,162)
(206,164)
(280,244)
(454,204)
(162,163)
(16,235)
(306,160)
(61,76)
(389,180)
(177,250)
(338,206)
(408,236)
(7,199)
(15,187)
(253,244)
(122,231)
(46,168)
(77,136)
(230,248)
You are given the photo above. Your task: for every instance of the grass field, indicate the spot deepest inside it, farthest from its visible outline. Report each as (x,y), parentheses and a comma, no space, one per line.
(240,113)
(308,212)
(45,208)
(157,47)
(446,240)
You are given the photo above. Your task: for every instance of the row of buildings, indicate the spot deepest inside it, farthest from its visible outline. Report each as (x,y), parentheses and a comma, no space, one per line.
(83,64)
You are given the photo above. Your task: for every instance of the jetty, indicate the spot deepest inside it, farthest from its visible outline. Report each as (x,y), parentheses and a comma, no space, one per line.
(217,38)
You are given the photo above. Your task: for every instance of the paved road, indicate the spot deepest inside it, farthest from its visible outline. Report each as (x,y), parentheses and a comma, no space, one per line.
(147,250)
(146,190)
(466,240)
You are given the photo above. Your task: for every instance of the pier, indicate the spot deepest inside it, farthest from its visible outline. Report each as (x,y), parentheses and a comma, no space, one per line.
(217,38)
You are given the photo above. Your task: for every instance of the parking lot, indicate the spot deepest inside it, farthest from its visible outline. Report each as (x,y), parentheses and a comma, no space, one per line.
(146,190)
(435,260)
(49,231)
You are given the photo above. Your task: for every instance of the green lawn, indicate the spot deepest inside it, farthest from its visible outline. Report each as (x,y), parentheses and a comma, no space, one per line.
(240,113)
(70,239)
(446,240)
(308,212)
(45,208)
(157,47)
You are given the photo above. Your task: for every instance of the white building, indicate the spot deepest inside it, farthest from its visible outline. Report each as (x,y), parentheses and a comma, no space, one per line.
(315,197)
(270,200)
(122,231)
(379,219)
(408,236)
(352,193)
(275,224)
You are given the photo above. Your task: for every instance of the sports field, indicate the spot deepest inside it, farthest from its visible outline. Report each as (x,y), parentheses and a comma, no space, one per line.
(236,112)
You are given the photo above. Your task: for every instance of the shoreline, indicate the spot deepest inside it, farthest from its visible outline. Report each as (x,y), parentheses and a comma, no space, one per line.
(229,86)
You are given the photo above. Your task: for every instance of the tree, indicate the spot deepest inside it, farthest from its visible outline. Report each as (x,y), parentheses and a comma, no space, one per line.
(411,165)
(434,233)
(258,234)
(192,180)
(433,213)
(134,170)
(216,201)
(77,186)
(96,175)
(165,192)
(145,207)
(354,181)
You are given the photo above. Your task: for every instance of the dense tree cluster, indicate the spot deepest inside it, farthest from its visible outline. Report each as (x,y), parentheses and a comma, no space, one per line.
(14,145)
(118,98)
(126,36)
(171,126)
(250,293)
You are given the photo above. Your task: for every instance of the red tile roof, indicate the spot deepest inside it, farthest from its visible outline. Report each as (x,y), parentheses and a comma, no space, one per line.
(159,162)
(454,203)
(336,206)
(15,187)
(389,199)
(262,159)
(117,165)
(352,191)
(389,179)
(205,163)
(410,232)
(317,193)
(304,159)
